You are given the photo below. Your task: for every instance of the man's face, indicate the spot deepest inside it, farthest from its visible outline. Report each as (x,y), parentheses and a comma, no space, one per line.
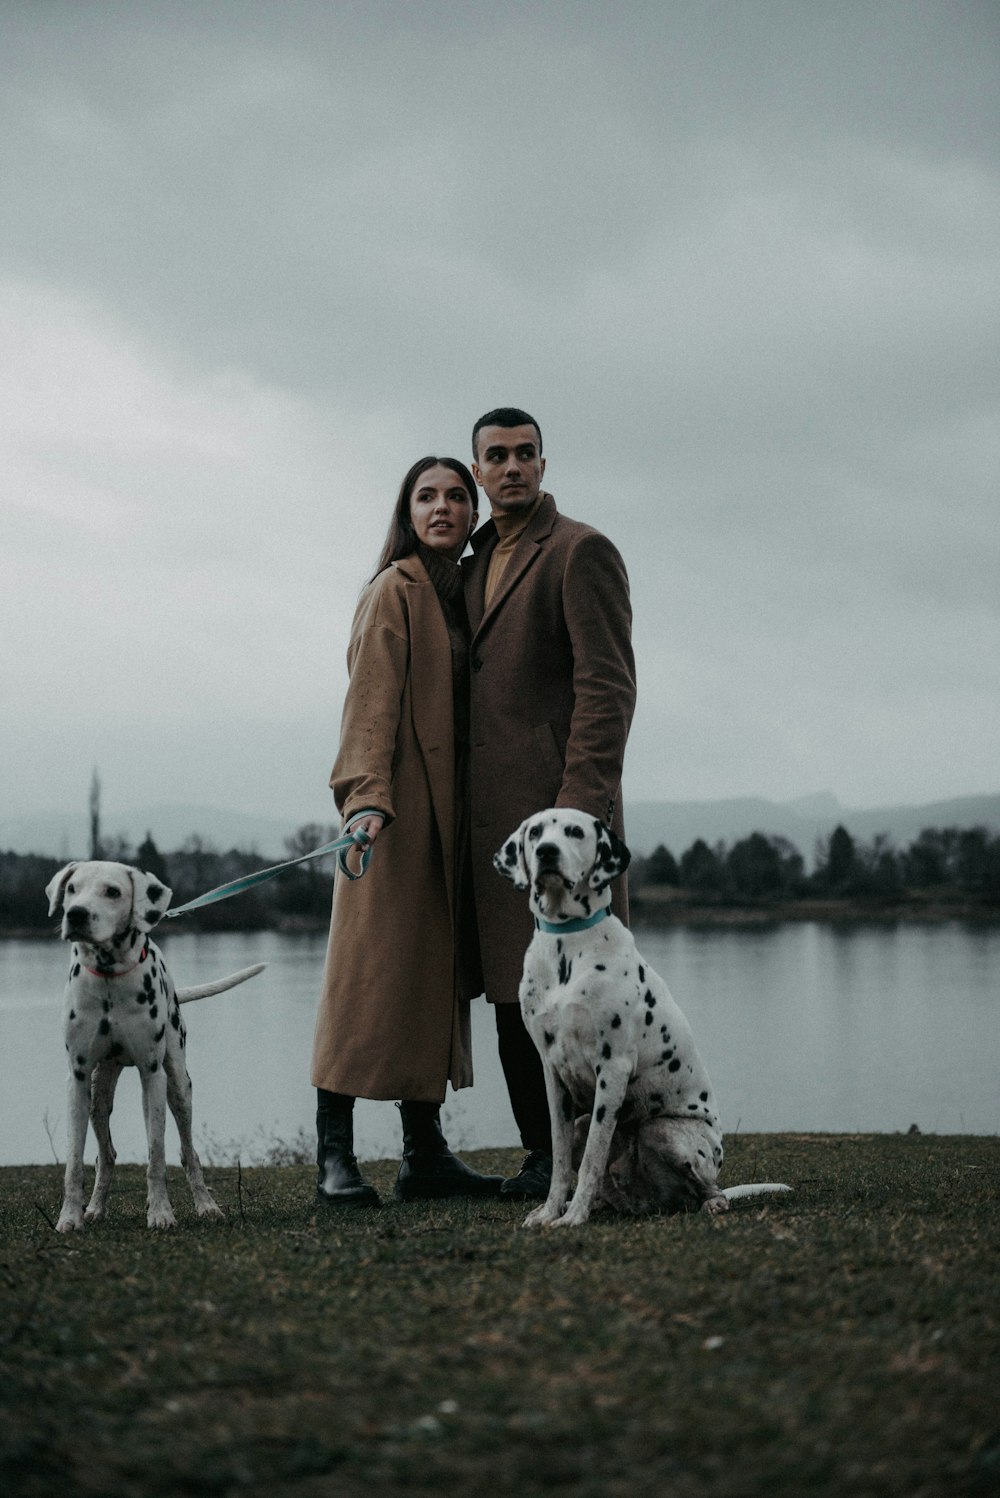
(509,467)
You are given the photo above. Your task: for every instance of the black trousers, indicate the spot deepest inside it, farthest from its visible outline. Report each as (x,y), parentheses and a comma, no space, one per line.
(522,1068)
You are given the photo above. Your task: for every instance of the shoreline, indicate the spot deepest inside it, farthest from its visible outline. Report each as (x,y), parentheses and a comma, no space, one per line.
(658,911)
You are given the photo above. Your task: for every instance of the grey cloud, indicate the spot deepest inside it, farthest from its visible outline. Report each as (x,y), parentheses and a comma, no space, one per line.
(741,260)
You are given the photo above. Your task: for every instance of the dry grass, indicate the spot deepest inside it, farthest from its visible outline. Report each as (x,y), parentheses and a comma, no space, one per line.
(842,1341)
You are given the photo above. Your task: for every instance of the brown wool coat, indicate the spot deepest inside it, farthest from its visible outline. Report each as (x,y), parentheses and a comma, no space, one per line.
(391,1023)
(553,692)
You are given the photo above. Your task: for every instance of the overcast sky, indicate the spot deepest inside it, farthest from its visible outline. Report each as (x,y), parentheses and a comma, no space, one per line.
(742,261)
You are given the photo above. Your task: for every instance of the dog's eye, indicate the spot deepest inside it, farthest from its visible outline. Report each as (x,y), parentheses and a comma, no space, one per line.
(112,893)
(71,889)
(534,833)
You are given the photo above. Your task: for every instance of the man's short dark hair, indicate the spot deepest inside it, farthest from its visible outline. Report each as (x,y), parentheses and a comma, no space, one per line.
(505,416)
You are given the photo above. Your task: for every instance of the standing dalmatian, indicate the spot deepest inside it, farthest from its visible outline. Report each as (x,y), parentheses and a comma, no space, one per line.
(122,1009)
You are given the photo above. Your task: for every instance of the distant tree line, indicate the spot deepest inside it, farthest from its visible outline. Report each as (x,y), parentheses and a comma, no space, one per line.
(951,864)
(297,898)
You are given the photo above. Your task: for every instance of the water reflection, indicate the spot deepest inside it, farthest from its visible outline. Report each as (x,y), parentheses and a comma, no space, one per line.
(804,1027)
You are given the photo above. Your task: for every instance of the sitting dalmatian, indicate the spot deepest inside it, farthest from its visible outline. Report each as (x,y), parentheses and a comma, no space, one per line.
(122,1009)
(621,1067)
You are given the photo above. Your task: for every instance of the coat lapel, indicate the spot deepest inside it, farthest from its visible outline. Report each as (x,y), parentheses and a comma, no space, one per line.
(474,573)
(431,697)
(535,534)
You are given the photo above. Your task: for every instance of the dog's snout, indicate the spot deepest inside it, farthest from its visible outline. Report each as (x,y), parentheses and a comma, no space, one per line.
(77,915)
(547,853)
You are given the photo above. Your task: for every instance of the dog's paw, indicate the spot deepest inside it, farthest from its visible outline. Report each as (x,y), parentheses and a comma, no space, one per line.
(160,1217)
(207,1206)
(541,1217)
(70,1221)
(574,1216)
(714,1205)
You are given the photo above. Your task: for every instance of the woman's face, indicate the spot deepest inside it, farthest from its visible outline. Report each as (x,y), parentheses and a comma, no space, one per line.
(441,511)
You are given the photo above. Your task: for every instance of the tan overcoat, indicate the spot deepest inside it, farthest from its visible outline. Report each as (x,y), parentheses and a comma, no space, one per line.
(553,692)
(391,1022)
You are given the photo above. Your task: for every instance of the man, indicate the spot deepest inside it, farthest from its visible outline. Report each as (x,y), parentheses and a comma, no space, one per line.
(553,691)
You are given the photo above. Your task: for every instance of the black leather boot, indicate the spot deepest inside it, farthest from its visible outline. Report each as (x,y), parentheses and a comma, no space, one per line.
(429,1169)
(533,1179)
(340,1181)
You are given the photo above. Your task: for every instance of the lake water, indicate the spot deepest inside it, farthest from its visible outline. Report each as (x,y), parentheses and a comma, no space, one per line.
(802,1027)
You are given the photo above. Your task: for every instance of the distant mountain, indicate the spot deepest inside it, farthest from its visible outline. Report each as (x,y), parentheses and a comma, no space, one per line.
(903,823)
(676,824)
(820,804)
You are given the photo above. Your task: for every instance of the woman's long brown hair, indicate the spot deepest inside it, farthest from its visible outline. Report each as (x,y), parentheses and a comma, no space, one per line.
(401,539)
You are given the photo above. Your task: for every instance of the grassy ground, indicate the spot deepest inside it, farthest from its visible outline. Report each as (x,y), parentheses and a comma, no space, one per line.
(840,1341)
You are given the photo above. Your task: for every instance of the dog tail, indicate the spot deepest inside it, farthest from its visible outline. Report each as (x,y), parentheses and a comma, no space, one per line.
(206,990)
(759,1188)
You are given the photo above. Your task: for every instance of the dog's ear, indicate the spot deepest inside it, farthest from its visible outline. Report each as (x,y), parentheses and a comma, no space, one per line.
(56,885)
(150,898)
(612,857)
(509,861)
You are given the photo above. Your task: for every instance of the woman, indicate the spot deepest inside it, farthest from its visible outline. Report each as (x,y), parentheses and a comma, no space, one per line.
(403,959)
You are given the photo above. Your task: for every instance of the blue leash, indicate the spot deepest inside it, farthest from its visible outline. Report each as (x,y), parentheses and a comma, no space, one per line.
(340,845)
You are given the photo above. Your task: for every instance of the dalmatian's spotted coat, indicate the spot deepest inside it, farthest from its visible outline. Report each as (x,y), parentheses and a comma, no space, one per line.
(122,1009)
(622,1071)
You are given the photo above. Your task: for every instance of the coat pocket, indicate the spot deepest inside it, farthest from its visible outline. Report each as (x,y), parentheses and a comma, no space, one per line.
(551,756)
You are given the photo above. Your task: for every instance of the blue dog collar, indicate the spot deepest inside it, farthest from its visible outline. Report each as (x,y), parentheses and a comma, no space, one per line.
(566,928)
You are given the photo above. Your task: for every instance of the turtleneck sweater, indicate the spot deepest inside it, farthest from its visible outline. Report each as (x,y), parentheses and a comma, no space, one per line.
(510,529)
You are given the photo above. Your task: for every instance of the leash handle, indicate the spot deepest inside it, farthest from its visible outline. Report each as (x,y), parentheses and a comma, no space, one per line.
(359,838)
(340,845)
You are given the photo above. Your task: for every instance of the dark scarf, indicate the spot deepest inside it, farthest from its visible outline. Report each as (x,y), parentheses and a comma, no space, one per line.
(446,578)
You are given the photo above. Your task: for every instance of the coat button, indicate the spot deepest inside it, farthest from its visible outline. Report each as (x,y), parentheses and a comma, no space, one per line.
(477,664)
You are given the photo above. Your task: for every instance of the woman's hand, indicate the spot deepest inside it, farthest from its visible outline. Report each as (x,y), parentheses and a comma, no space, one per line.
(372,826)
